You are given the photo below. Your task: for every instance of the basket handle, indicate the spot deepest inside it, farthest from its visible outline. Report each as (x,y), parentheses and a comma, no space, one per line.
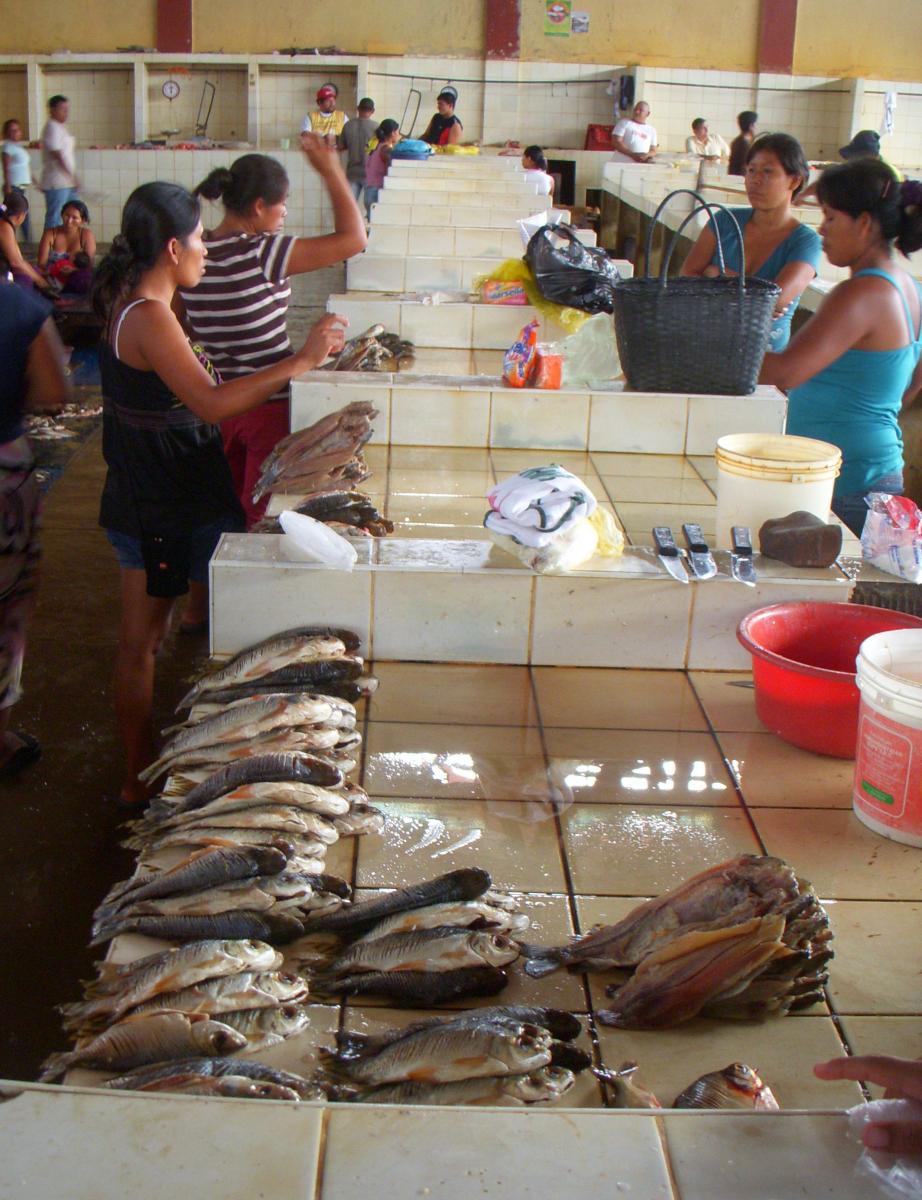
(709,206)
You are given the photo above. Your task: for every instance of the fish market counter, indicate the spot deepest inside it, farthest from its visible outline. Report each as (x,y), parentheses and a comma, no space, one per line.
(148,1147)
(413,599)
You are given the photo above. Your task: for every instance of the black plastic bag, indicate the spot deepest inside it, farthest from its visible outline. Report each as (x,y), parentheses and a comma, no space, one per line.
(567,272)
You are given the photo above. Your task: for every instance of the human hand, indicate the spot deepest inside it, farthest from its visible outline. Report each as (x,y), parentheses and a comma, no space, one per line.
(902,1078)
(321,153)
(327,337)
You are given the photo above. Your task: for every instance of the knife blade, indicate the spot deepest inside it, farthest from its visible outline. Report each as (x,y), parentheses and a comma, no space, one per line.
(669,553)
(741,565)
(699,556)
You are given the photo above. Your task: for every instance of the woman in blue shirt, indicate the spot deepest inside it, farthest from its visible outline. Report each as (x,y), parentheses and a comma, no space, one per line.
(858,361)
(778,246)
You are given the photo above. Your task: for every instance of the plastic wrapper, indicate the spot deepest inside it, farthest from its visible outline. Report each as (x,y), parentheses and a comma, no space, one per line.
(892,536)
(498,291)
(570,273)
(548,367)
(894,1176)
(518,271)
(520,359)
(411,148)
(317,542)
(590,356)
(456,149)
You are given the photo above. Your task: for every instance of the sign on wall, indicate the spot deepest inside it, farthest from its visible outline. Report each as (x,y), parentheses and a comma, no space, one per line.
(557,18)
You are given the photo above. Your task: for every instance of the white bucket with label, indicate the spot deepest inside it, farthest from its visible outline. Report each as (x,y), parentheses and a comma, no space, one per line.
(887,792)
(761,476)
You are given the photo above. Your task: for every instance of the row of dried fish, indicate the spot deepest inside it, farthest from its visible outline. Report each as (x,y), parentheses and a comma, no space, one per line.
(742,940)
(325,457)
(736,1086)
(374,350)
(352,514)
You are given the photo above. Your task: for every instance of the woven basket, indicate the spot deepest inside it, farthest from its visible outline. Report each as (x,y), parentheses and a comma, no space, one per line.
(694,335)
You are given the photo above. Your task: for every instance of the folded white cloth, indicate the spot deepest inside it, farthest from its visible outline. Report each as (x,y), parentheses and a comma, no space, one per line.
(538,505)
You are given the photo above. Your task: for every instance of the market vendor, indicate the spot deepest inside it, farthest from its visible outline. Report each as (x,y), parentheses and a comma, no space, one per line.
(778,246)
(326,119)
(703,143)
(634,140)
(67,251)
(444,129)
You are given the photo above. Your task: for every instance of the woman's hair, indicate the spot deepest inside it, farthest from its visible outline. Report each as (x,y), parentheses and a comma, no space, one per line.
(9,122)
(536,154)
(386,128)
(252,177)
(153,215)
(789,153)
(81,209)
(449,95)
(867,185)
(14,204)
(746,120)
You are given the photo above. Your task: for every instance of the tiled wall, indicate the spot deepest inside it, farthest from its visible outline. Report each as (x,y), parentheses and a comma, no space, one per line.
(286,96)
(14,97)
(904,145)
(228,118)
(101,103)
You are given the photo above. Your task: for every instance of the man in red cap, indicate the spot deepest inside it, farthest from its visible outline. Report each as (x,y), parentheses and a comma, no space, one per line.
(327,120)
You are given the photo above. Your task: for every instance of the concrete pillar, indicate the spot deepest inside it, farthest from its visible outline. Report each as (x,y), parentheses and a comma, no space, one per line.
(777,30)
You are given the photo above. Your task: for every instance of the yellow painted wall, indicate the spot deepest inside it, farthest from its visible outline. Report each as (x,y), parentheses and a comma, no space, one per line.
(710,34)
(857,39)
(96,26)
(418,27)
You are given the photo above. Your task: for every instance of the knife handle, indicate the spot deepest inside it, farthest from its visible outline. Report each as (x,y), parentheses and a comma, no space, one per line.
(665,542)
(742,541)
(694,539)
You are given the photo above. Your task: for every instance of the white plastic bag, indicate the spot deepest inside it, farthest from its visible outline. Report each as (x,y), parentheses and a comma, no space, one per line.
(317,541)
(898,1177)
(892,536)
(590,356)
(528,226)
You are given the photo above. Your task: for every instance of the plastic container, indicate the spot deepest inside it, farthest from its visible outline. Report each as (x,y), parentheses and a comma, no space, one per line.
(887,794)
(317,542)
(764,475)
(803,666)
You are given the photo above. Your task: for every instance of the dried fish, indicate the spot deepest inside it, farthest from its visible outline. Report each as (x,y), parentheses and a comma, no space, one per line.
(264,1027)
(256,769)
(477,913)
(361,819)
(162,1073)
(282,650)
(230,993)
(443,948)
(236,1086)
(274,927)
(423,989)
(628,1091)
(467,883)
(736,1086)
(547,1085)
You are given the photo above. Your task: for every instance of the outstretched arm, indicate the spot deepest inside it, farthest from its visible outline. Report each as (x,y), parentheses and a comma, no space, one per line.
(349,237)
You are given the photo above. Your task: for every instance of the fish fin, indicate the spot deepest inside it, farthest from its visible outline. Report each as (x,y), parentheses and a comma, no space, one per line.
(540,960)
(56,1065)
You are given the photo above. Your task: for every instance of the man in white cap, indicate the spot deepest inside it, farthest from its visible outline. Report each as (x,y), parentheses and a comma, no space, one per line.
(327,119)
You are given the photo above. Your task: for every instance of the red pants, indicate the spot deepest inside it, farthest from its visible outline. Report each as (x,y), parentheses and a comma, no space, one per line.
(248,441)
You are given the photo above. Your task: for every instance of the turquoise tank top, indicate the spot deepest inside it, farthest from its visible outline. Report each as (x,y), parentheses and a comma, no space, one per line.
(854,403)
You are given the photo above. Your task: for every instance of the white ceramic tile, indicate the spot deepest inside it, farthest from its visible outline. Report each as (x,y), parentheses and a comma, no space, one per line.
(376,273)
(363,313)
(311,400)
(647,424)
(479,242)
(434,417)
(436,324)
(425,241)
(593,622)
(433,274)
(467,1155)
(538,419)
(712,417)
(496,326)
(451,617)
(386,240)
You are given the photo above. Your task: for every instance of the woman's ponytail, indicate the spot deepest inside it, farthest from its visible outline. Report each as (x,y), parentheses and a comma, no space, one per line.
(217,185)
(909,238)
(248,179)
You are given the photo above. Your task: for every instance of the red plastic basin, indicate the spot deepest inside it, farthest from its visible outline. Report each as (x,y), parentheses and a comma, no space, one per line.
(803,665)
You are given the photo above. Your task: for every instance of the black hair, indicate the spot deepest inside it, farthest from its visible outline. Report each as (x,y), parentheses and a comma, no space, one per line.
(789,153)
(14,204)
(868,185)
(56,100)
(7,123)
(450,97)
(746,120)
(154,213)
(698,122)
(367,104)
(386,128)
(252,177)
(80,207)
(536,154)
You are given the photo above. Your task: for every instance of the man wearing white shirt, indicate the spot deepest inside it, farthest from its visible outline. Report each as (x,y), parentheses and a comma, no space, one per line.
(59,177)
(634,140)
(704,144)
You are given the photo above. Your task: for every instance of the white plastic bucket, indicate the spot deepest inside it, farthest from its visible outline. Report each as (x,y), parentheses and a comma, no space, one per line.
(887,792)
(761,476)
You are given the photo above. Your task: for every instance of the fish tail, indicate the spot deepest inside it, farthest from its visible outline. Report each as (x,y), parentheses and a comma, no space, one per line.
(540,960)
(56,1065)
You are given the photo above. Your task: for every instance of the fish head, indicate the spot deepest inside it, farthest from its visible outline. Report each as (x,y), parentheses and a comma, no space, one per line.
(284,986)
(214,1037)
(548,1083)
(528,1049)
(285,1020)
(496,949)
(242,1086)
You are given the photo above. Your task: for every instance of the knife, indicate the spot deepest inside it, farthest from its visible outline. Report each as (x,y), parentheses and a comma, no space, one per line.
(741,566)
(700,557)
(669,553)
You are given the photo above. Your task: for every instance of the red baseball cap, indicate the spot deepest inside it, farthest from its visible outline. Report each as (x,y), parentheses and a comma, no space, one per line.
(325,92)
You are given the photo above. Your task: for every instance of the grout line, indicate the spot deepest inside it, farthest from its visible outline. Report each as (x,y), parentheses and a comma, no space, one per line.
(321,1152)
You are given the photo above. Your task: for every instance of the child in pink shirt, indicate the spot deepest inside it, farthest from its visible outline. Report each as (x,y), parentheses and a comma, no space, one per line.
(388,135)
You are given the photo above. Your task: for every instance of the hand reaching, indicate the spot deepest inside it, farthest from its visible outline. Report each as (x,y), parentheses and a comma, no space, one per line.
(327,337)
(321,153)
(902,1078)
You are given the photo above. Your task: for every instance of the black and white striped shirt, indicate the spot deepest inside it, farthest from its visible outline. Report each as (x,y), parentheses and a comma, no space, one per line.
(238,310)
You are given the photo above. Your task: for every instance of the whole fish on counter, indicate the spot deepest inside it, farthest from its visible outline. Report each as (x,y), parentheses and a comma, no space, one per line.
(265,1027)
(277,928)
(195,790)
(168,1076)
(466,883)
(320,457)
(480,913)
(736,1086)
(545,1086)
(239,1087)
(319,679)
(138,1040)
(443,948)
(422,989)
(348,512)
(295,795)
(248,990)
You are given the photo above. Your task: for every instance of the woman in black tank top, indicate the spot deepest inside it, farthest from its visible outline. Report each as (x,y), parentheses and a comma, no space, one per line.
(168,494)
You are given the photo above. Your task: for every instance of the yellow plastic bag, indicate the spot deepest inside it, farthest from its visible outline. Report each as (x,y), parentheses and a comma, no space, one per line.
(517,270)
(610,537)
(457,149)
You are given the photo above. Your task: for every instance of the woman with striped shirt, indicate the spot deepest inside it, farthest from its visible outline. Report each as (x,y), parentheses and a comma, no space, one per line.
(238,312)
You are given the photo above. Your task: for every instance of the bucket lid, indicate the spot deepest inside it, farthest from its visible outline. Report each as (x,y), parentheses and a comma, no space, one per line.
(781,451)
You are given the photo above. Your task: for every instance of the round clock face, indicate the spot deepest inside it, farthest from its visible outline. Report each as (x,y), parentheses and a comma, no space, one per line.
(170,89)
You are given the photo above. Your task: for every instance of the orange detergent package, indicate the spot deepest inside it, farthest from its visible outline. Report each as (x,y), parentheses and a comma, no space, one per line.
(501,291)
(519,360)
(548,367)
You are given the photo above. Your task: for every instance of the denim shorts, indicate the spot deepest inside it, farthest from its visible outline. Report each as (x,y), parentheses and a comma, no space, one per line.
(851,507)
(202,542)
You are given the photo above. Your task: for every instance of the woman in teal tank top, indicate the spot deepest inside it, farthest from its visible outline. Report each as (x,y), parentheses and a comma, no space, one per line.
(858,361)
